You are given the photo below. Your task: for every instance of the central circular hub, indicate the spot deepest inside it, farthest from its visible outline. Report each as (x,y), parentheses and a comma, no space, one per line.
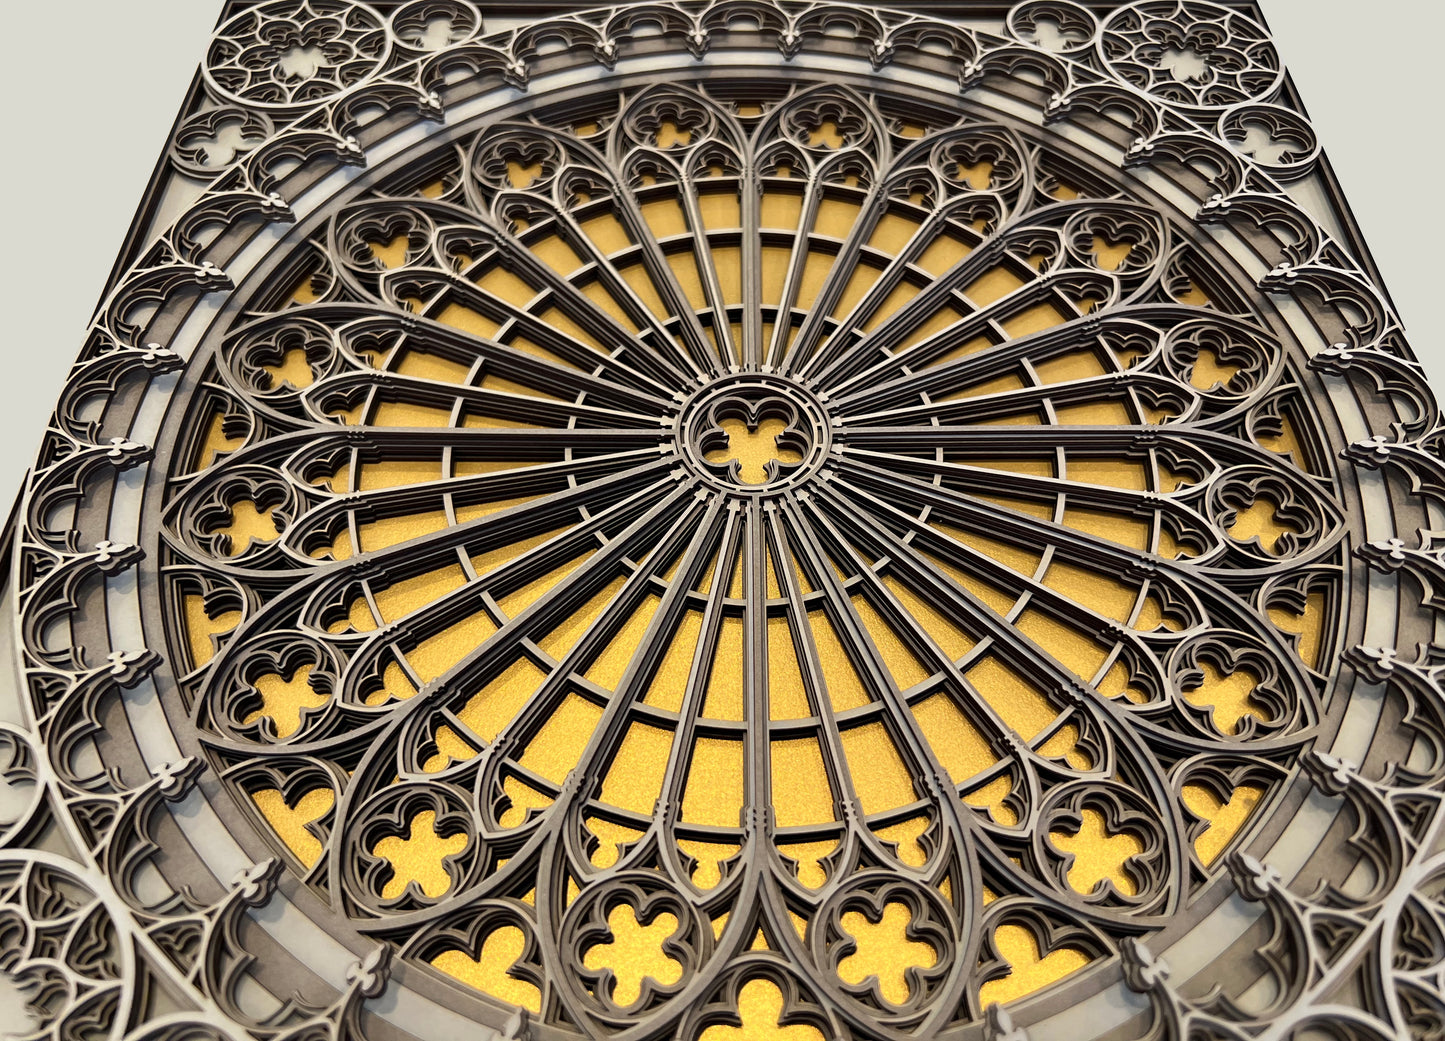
(753,432)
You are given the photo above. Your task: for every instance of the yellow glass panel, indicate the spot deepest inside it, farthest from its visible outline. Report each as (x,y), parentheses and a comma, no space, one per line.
(997,385)
(930,326)
(572,628)
(1230,695)
(896,298)
(491,381)
(781,210)
(1105,594)
(942,254)
(468,321)
(612,837)
(1018,702)
(1260,520)
(881,780)
(419,858)
(669,683)
(859,283)
(845,688)
(786,696)
(684,269)
(802,794)
(994,284)
(665,217)
(567,327)
(775,272)
(1116,527)
(215,443)
(902,663)
(836,217)
(884,952)
(991,797)
(495,558)
(1110,255)
(608,304)
(396,473)
(809,856)
(714,791)
(504,285)
(612,662)
(1094,414)
(405,414)
(1024,561)
(960,746)
(720,210)
(1073,365)
(709,857)
(249,525)
(1032,320)
(815,273)
(1064,744)
(289,820)
(489,972)
(438,653)
(521,799)
(892,233)
(634,953)
(201,627)
(404,597)
(556,254)
(517,602)
(1308,626)
(450,749)
(724,699)
(607,233)
(283,698)
(1030,970)
(520,176)
(904,836)
(1099,853)
(634,780)
(753,449)
(293,369)
(1114,473)
(1226,818)
(1075,650)
(538,351)
(499,702)
(760,1007)
(394,684)
(640,281)
(727,262)
(950,638)
(554,750)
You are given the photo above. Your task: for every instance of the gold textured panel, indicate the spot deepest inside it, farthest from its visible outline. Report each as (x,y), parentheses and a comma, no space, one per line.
(634,953)
(884,952)
(714,792)
(802,793)
(489,972)
(1029,969)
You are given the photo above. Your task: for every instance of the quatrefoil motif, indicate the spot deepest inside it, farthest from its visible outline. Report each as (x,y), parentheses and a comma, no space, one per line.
(754,442)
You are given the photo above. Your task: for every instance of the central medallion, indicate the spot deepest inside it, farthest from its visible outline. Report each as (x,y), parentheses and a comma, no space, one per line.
(754,432)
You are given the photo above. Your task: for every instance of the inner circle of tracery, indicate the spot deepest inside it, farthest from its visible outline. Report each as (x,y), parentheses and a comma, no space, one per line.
(752,545)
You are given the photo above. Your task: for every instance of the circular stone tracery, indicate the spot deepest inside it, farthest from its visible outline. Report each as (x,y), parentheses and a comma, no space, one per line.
(492,621)
(565,593)
(754,432)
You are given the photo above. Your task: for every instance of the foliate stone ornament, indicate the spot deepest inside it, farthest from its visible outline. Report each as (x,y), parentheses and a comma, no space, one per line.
(737,551)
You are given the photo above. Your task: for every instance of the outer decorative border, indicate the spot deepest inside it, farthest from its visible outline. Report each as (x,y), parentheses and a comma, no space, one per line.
(1364,959)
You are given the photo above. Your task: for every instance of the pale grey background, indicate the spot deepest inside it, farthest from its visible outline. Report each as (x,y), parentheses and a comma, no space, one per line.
(89,111)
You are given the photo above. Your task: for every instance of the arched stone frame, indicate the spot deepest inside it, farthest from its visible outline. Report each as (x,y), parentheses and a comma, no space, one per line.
(85,568)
